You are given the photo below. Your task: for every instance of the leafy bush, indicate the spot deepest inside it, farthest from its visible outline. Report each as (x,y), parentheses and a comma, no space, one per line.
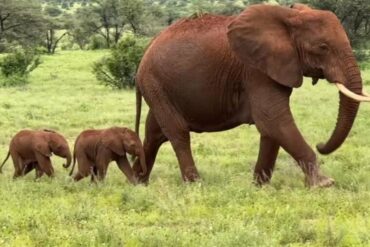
(119,68)
(97,42)
(13,81)
(16,67)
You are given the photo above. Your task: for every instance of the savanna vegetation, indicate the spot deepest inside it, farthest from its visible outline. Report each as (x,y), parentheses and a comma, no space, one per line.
(224,209)
(61,64)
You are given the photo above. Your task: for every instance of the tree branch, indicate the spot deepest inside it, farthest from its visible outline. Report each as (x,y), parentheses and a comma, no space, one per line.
(57,41)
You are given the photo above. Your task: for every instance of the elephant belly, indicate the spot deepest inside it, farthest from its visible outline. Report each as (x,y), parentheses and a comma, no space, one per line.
(205,110)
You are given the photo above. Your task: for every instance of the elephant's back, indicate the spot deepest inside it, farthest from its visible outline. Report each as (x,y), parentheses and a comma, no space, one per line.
(23,137)
(187,44)
(86,142)
(87,136)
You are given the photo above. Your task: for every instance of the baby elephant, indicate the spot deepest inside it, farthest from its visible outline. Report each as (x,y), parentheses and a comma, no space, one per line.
(32,149)
(95,149)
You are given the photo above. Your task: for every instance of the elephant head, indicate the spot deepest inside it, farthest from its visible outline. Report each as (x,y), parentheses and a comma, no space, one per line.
(289,43)
(121,140)
(57,144)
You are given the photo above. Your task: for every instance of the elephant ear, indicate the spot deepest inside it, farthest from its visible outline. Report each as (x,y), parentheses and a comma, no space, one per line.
(43,148)
(260,37)
(112,140)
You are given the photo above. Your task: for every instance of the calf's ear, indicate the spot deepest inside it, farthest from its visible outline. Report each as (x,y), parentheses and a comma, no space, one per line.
(43,148)
(113,142)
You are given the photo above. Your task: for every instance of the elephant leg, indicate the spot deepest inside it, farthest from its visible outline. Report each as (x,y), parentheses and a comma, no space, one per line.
(44,164)
(94,173)
(83,164)
(101,172)
(181,145)
(125,167)
(286,133)
(39,173)
(176,130)
(153,140)
(265,165)
(28,168)
(103,158)
(273,118)
(18,165)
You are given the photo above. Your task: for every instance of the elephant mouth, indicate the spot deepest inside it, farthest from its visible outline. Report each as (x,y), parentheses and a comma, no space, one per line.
(365,97)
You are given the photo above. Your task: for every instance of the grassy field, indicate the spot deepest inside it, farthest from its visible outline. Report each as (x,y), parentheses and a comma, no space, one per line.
(224,209)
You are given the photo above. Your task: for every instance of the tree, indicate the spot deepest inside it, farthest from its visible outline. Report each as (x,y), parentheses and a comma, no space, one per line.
(54,23)
(53,10)
(52,38)
(78,34)
(109,18)
(20,21)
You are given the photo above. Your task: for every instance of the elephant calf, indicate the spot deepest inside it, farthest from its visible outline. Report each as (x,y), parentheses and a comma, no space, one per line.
(95,149)
(32,149)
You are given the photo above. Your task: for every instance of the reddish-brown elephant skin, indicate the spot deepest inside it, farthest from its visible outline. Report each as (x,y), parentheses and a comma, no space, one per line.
(212,73)
(32,149)
(95,149)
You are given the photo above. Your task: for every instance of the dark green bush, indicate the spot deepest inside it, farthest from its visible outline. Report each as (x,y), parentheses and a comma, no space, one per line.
(119,68)
(16,67)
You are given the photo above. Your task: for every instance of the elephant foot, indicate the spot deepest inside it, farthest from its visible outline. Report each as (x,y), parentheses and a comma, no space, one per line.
(261,178)
(191,175)
(319,181)
(140,179)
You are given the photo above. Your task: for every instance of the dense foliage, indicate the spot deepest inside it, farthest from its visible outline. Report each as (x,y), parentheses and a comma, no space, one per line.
(118,69)
(46,22)
(21,23)
(16,67)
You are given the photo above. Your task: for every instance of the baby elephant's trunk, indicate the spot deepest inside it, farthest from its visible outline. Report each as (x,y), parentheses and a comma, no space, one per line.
(68,161)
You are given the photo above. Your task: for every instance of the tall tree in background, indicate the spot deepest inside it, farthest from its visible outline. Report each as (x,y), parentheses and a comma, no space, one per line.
(109,18)
(55,27)
(21,21)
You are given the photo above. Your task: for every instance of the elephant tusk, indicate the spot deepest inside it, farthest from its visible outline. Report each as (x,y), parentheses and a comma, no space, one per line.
(352,95)
(364,93)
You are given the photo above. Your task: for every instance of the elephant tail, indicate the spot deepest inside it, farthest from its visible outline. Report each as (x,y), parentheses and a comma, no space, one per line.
(138,109)
(74,161)
(7,157)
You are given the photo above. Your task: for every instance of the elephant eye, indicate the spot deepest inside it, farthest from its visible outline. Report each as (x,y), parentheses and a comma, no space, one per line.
(323,47)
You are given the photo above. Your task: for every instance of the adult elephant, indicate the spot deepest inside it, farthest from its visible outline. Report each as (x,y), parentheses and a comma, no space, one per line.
(213,73)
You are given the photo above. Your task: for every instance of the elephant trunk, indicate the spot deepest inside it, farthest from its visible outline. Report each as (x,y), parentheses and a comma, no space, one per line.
(348,108)
(68,160)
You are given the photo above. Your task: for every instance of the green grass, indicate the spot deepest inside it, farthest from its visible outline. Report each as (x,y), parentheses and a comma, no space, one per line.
(224,209)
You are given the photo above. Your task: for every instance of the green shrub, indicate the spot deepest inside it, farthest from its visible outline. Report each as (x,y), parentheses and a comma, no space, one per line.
(16,67)
(97,42)
(13,81)
(19,62)
(119,68)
